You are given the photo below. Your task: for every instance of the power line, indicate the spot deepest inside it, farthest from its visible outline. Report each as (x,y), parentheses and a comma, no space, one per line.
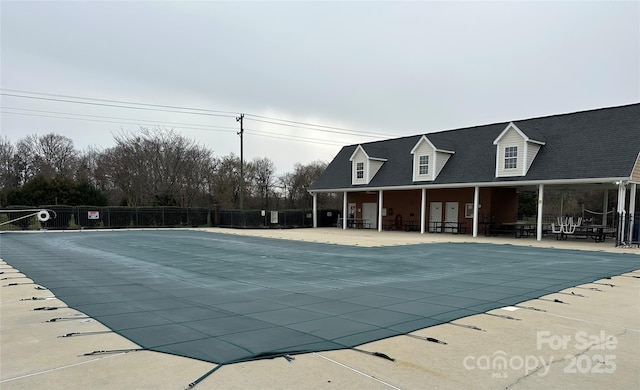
(292,137)
(115,101)
(112,117)
(310,124)
(203,128)
(115,105)
(191,110)
(362,134)
(107,121)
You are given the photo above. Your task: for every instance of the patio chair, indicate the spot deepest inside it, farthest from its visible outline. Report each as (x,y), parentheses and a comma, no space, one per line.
(558,231)
(570,228)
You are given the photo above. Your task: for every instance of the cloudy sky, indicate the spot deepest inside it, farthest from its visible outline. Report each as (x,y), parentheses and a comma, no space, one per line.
(360,70)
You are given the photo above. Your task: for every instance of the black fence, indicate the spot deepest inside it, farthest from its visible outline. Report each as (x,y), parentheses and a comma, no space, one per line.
(274,219)
(89,217)
(628,230)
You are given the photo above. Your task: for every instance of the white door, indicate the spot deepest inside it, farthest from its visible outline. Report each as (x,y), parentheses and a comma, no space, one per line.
(370,215)
(451,215)
(435,216)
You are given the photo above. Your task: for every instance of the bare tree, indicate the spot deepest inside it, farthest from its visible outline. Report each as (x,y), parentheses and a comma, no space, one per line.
(303,177)
(262,178)
(87,165)
(156,167)
(226,181)
(285,186)
(9,177)
(49,155)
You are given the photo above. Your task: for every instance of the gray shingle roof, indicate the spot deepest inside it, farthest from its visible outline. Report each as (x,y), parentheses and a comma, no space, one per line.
(531,131)
(602,143)
(376,151)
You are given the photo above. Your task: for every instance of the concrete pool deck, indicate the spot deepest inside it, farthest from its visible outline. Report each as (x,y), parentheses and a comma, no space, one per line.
(588,340)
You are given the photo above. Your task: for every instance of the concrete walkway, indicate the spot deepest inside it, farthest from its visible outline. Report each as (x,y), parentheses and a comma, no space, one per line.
(585,337)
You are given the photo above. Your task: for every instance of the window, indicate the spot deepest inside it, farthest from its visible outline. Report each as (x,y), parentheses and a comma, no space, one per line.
(511,157)
(423,165)
(468,210)
(360,170)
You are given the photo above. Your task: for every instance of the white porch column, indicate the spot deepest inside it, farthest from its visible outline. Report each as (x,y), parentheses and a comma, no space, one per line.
(632,209)
(540,204)
(622,199)
(605,206)
(315,209)
(423,209)
(380,210)
(476,204)
(344,211)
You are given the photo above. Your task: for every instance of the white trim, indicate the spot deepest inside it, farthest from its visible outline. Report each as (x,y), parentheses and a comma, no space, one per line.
(423,209)
(433,160)
(504,158)
(359,147)
(380,200)
(635,165)
(367,173)
(358,170)
(540,208)
(420,165)
(424,138)
(632,209)
(513,183)
(476,204)
(622,193)
(525,158)
(435,165)
(517,129)
(344,210)
(315,210)
(497,161)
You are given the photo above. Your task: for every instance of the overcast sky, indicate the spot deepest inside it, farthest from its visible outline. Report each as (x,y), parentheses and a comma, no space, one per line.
(393,68)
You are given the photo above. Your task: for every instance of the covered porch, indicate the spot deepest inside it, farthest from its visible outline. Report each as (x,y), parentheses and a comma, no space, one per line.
(493,210)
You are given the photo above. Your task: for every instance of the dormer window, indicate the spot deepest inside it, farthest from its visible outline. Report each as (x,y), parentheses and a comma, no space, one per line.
(360,170)
(424,165)
(428,160)
(366,163)
(511,157)
(516,150)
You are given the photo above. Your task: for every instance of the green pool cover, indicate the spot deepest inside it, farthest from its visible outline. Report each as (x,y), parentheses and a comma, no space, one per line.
(226,298)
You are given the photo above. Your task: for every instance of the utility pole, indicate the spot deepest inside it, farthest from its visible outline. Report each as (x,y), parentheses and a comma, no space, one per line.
(241,133)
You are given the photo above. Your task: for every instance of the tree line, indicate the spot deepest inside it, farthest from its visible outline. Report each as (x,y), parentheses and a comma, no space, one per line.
(152,167)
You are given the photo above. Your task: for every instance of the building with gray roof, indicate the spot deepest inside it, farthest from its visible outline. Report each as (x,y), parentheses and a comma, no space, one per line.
(459,179)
